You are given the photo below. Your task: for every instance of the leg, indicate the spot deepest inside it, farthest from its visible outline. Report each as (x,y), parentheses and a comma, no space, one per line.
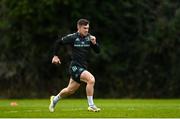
(90,80)
(70,89)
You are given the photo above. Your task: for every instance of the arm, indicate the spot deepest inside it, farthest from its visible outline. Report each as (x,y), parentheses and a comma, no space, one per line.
(56,60)
(94,44)
(63,41)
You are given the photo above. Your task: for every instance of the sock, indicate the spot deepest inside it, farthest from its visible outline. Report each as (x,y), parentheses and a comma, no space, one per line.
(90,100)
(56,98)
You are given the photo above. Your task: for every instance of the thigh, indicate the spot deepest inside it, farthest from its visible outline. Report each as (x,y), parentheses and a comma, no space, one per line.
(73,85)
(86,76)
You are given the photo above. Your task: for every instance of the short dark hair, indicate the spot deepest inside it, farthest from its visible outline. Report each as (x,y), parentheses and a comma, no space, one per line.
(82,22)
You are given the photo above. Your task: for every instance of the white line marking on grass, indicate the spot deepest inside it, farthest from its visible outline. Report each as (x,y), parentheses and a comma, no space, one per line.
(12,111)
(15,111)
(32,111)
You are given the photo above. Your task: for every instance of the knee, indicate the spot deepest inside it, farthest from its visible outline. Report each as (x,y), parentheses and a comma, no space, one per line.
(91,80)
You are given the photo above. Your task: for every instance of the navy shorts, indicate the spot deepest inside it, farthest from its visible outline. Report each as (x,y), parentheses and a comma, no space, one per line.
(75,71)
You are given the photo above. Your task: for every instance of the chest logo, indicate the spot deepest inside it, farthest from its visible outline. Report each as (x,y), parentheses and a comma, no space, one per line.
(81,43)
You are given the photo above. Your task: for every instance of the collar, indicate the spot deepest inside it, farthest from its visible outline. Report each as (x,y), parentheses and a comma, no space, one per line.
(82,36)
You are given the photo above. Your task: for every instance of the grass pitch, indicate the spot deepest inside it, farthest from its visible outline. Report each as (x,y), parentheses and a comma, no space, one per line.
(77,108)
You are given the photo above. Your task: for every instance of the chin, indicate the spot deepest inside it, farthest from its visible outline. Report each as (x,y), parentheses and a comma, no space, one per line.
(85,34)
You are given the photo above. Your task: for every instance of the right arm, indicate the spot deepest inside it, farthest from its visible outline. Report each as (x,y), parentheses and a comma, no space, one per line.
(60,42)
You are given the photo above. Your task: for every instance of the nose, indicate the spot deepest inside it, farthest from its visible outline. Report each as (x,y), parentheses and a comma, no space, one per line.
(86,30)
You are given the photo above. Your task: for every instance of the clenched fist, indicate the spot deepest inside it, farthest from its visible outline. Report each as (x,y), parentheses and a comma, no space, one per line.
(56,60)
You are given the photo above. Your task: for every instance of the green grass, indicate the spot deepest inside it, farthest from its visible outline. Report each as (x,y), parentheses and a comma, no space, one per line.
(71,108)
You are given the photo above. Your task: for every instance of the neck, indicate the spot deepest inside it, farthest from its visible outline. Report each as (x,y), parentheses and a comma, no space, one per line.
(80,34)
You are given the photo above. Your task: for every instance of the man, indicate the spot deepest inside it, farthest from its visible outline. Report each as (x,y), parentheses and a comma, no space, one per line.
(81,43)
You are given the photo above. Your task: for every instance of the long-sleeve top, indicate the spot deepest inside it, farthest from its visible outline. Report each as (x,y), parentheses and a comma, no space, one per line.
(80,47)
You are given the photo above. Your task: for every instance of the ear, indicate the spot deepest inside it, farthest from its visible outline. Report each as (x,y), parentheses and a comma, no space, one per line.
(78,27)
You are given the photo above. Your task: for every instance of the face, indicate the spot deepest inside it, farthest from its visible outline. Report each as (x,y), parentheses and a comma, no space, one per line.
(83,29)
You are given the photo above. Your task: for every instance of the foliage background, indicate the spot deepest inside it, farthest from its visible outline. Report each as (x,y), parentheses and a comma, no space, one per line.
(139,47)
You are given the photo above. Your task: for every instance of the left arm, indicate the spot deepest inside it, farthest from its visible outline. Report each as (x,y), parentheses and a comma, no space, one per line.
(94,44)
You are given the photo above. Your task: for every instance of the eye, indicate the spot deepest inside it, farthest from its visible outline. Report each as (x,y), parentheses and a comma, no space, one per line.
(86,27)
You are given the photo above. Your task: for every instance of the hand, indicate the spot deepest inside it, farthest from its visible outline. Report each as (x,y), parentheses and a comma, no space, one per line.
(56,60)
(93,39)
